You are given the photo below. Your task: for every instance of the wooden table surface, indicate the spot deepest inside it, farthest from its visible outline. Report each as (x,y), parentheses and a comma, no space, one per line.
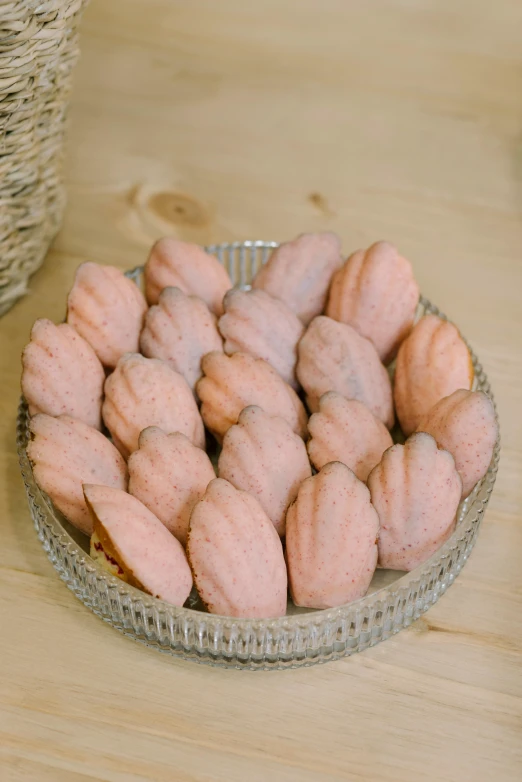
(234,120)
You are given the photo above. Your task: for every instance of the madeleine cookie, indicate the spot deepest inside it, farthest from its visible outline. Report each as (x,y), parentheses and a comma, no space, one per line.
(334,357)
(256,323)
(173,263)
(106,309)
(62,374)
(416,491)
(169,475)
(376,293)
(65,453)
(180,330)
(236,555)
(465,424)
(262,454)
(331,539)
(131,543)
(345,430)
(433,362)
(299,273)
(231,383)
(144,392)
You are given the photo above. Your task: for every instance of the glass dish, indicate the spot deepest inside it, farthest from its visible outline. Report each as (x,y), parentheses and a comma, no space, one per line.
(303,637)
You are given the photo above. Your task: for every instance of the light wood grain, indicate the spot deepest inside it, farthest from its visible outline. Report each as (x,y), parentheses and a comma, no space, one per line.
(232,120)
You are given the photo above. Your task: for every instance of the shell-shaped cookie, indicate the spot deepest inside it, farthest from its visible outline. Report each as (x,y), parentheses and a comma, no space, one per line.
(144,392)
(416,491)
(65,453)
(169,475)
(465,424)
(62,374)
(432,362)
(107,310)
(236,555)
(262,455)
(255,322)
(345,430)
(331,539)
(173,263)
(180,330)
(131,543)
(299,272)
(230,383)
(376,293)
(332,356)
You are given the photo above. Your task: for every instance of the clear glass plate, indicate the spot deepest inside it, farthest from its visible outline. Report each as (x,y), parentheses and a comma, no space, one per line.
(303,637)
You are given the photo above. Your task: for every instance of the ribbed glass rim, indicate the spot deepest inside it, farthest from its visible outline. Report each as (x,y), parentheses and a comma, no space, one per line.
(72,556)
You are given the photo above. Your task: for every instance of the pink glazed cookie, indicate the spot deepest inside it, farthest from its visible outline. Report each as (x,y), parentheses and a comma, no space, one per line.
(299,273)
(169,475)
(65,453)
(262,454)
(376,293)
(256,323)
(433,361)
(144,392)
(62,374)
(231,383)
(416,491)
(334,357)
(180,330)
(345,430)
(236,555)
(131,543)
(465,424)
(173,263)
(331,539)
(107,309)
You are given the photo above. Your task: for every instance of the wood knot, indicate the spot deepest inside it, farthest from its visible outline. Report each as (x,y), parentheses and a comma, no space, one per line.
(321,204)
(178,209)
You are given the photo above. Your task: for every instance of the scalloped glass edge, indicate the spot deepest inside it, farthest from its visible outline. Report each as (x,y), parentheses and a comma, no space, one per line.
(289,642)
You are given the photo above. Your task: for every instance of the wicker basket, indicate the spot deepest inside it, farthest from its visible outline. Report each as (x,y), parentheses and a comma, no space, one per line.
(38,49)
